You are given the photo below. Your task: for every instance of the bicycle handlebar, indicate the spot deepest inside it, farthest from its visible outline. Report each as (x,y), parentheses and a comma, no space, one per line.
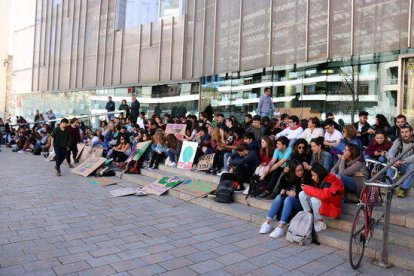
(379,185)
(384,165)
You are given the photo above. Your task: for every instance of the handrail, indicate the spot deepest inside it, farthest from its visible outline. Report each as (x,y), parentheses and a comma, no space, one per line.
(404,177)
(399,157)
(383,261)
(74,116)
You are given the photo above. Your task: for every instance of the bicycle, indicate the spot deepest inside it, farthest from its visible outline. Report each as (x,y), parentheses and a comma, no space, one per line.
(364,222)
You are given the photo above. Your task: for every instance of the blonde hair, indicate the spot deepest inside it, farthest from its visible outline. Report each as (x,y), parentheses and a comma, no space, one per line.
(215,135)
(159,138)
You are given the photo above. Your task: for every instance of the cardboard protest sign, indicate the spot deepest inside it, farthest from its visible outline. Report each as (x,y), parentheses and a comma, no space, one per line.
(103,181)
(177,129)
(196,188)
(86,153)
(188,152)
(97,152)
(139,151)
(123,191)
(80,147)
(205,162)
(88,166)
(162,185)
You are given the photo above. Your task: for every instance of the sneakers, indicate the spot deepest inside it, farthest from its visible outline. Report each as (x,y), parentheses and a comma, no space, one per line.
(220,173)
(70,166)
(173,164)
(278,232)
(402,193)
(265,228)
(320,226)
(245,192)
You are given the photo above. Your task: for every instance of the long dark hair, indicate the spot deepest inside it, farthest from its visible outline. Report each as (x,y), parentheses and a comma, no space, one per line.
(292,178)
(320,171)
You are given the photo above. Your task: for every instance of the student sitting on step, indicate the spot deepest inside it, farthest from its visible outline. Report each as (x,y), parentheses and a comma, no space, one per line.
(287,200)
(324,197)
(243,168)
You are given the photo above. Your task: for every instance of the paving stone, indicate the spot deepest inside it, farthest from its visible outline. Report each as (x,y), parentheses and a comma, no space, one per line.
(185,271)
(270,270)
(105,251)
(98,271)
(176,263)
(157,258)
(206,266)
(202,256)
(241,268)
(133,253)
(69,268)
(41,265)
(104,260)
(147,270)
(231,258)
(16,260)
(75,258)
(128,265)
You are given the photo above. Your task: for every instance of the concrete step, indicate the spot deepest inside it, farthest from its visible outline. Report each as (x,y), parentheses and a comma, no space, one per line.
(399,216)
(397,235)
(337,235)
(398,255)
(197,175)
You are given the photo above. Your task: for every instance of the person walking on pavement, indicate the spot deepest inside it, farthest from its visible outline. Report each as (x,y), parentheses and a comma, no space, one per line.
(134,110)
(110,107)
(75,139)
(266,106)
(60,143)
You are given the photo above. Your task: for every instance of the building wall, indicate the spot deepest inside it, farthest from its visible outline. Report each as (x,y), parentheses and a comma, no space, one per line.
(77,46)
(5,61)
(23,42)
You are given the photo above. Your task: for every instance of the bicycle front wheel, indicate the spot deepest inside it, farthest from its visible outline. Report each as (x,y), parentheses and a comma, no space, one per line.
(357,240)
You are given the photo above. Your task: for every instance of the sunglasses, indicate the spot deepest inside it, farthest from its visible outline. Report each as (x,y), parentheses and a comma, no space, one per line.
(301,147)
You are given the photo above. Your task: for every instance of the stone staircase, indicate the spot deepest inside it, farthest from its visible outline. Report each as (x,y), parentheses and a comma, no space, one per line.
(401,236)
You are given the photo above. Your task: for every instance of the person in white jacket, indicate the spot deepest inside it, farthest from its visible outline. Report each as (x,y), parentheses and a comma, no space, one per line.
(314,130)
(293,131)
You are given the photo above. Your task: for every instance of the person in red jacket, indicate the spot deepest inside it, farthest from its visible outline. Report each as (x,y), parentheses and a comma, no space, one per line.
(324,198)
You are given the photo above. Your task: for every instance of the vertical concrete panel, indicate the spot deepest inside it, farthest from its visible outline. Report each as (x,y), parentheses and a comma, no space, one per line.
(129,56)
(91,37)
(255,34)
(288,32)
(189,39)
(165,49)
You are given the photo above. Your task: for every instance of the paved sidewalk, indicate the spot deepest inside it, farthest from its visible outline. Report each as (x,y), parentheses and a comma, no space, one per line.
(62,225)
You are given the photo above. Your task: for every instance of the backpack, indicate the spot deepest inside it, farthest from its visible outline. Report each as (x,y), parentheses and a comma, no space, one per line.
(224,192)
(133,167)
(301,228)
(256,186)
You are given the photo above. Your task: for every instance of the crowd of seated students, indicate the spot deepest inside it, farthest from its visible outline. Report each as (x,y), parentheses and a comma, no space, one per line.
(306,165)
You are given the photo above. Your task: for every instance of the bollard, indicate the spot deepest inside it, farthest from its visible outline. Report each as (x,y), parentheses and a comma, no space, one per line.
(383,261)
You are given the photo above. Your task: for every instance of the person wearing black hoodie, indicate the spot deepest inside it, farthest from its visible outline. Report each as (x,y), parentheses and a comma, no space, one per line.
(244,166)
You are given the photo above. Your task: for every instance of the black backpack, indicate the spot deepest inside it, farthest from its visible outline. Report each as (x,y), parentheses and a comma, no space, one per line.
(224,192)
(256,186)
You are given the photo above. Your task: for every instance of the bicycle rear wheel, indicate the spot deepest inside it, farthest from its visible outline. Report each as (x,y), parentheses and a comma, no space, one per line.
(357,239)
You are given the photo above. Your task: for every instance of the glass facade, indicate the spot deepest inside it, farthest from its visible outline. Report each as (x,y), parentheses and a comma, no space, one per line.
(177,99)
(342,86)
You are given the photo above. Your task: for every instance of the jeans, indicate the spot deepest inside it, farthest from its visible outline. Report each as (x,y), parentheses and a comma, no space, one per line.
(349,183)
(288,203)
(111,116)
(226,158)
(60,156)
(404,168)
(310,203)
(171,153)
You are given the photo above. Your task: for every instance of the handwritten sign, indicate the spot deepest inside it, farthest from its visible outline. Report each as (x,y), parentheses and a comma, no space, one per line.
(162,185)
(88,166)
(205,162)
(124,192)
(188,152)
(141,148)
(197,188)
(177,129)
